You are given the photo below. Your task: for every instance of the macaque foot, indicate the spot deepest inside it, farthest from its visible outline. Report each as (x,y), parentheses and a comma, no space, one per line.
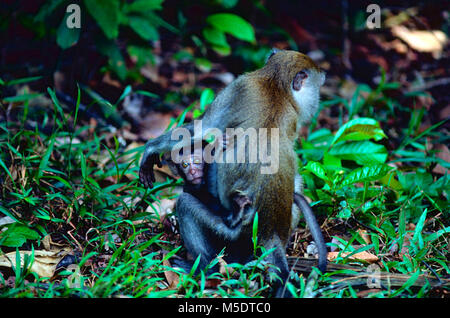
(242,204)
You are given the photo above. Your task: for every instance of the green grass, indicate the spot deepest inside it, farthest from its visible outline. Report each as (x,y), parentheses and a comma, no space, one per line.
(78,184)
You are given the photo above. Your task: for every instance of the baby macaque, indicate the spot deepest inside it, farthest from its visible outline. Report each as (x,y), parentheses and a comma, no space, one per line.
(201,181)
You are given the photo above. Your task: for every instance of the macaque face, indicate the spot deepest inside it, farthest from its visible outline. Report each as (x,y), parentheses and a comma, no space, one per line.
(305,89)
(192,167)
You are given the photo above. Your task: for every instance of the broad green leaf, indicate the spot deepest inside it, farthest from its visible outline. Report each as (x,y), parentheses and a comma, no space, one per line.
(13,240)
(106,14)
(364,174)
(215,36)
(363,152)
(359,129)
(317,169)
(66,37)
(390,180)
(320,136)
(331,161)
(25,231)
(222,50)
(16,235)
(232,24)
(143,5)
(143,28)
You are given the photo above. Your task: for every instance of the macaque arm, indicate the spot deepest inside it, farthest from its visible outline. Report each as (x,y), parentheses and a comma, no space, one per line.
(190,208)
(314,227)
(211,179)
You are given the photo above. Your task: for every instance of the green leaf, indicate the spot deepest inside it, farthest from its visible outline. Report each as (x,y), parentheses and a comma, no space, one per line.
(234,25)
(6,212)
(228,3)
(365,174)
(359,129)
(23,80)
(432,237)
(13,240)
(318,169)
(143,5)
(66,37)
(44,162)
(215,36)
(143,55)
(363,152)
(143,28)
(2,164)
(206,98)
(145,93)
(21,98)
(16,235)
(419,226)
(203,64)
(106,14)
(47,9)
(255,232)
(222,50)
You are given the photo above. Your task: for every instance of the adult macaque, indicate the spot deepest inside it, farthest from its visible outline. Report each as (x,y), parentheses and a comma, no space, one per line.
(278,98)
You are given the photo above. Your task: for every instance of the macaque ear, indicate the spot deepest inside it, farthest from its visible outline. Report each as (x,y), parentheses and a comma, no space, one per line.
(297,83)
(272,53)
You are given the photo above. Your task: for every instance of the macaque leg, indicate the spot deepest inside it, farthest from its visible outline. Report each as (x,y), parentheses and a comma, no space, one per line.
(202,230)
(278,258)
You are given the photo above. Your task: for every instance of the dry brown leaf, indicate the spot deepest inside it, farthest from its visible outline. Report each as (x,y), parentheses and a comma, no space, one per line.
(432,41)
(44,261)
(363,256)
(365,236)
(444,154)
(154,124)
(163,207)
(172,278)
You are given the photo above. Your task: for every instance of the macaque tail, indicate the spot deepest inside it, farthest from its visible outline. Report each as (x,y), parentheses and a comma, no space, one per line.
(314,227)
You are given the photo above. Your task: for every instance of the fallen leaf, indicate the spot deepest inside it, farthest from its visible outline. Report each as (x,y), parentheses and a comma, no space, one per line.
(44,263)
(172,278)
(162,208)
(365,236)
(362,256)
(432,41)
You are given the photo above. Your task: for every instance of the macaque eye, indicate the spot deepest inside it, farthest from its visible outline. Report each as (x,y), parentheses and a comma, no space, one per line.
(298,80)
(184,164)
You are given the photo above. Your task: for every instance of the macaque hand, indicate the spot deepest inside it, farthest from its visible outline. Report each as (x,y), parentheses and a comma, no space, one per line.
(146,172)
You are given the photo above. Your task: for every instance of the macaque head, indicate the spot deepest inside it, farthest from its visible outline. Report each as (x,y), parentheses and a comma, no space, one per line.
(300,77)
(191,166)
